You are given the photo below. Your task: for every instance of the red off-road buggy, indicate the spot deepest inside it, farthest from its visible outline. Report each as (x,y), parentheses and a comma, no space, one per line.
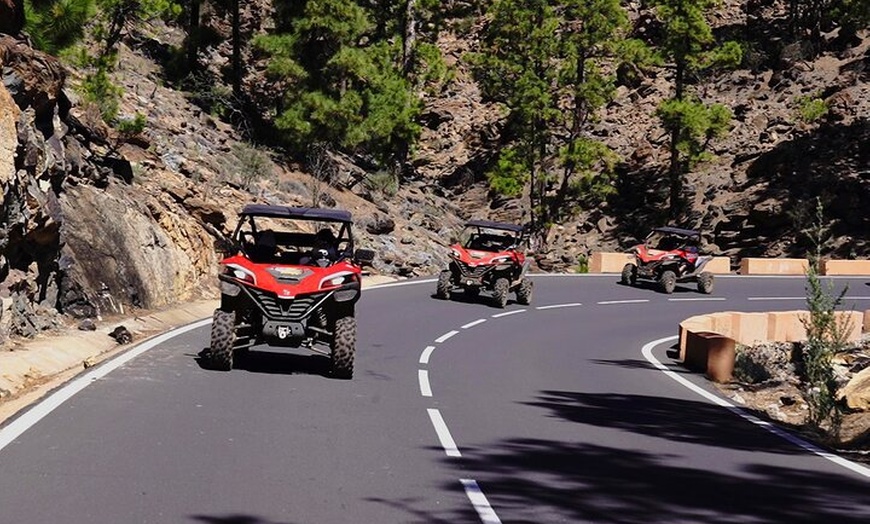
(285,286)
(488,257)
(667,256)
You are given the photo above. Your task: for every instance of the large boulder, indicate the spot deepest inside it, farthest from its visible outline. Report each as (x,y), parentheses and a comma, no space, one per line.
(856,393)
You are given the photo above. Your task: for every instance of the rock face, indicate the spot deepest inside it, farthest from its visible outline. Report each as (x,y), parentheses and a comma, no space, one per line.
(857,392)
(76,236)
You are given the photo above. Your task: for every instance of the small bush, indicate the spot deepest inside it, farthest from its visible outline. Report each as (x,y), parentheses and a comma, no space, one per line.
(811,109)
(131,127)
(98,89)
(252,165)
(582,264)
(384,182)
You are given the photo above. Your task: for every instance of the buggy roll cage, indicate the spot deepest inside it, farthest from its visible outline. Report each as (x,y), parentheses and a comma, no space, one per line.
(250,212)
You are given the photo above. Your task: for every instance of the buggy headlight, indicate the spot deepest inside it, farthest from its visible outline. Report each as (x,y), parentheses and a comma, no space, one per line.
(338,280)
(454,253)
(241,273)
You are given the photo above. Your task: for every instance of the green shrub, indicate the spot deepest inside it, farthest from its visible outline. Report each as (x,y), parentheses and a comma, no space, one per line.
(97,88)
(55,25)
(582,264)
(811,108)
(384,182)
(252,165)
(132,126)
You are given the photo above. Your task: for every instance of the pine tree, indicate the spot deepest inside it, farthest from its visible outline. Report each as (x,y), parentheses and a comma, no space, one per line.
(544,62)
(690,48)
(341,65)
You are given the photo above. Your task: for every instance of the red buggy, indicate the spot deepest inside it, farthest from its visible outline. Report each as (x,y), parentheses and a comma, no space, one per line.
(284,285)
(488,258)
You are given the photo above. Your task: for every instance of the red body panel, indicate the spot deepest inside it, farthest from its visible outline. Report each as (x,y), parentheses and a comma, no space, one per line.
(475,257)
(297,279)
(646,255)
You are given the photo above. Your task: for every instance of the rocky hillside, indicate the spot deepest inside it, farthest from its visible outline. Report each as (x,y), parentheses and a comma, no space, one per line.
(95,221)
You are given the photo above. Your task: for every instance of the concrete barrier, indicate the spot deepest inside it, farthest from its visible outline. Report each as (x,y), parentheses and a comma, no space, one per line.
(773,266)
(712,354)
(759,328)
(603,262)
(606,262)
(719,265)
(846,267)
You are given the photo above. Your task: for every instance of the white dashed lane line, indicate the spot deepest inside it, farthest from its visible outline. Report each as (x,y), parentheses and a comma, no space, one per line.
(558,306)
(425,389)
(472,324)
(443,433)
(424,356)
(446,336)
(509,313)
(697,299)
(775,298)
(478,500)
(614,302)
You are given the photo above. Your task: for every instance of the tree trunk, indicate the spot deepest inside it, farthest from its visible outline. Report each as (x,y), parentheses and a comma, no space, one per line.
(237,53)
(193,36)
(409,37)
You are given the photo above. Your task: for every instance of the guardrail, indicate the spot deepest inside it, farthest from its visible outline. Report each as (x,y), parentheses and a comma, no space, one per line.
(610,262)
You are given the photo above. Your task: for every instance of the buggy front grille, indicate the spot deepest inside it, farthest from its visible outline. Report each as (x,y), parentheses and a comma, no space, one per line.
(473,272)
(297,308)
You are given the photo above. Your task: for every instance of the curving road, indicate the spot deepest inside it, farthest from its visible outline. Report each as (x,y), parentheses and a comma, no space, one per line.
(555,412)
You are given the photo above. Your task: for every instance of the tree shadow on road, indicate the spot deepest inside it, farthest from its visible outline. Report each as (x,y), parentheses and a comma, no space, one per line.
(537,480)
(532,480)
(686,421)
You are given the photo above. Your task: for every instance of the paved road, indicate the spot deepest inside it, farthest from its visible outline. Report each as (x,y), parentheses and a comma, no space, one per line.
(458,413)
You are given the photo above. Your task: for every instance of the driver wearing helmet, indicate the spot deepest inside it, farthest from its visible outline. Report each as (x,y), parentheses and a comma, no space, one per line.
(323,252)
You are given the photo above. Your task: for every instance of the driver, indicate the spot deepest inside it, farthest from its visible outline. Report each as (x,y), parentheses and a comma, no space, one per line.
(323,252)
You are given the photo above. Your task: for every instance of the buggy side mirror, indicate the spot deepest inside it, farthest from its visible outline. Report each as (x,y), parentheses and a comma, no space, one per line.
(364,257)
(226,247)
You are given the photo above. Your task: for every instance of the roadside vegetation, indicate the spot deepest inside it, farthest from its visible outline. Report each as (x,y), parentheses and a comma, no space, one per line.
(352,76)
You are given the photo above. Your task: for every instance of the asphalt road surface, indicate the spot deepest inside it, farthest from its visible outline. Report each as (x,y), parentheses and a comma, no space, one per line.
(568,410)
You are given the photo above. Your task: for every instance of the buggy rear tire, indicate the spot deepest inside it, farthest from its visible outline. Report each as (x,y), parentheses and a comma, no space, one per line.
(442,289)
(668,281)
(343,347)
(223,334)
(500,292)
(629,275)
(705,282)
(524,291)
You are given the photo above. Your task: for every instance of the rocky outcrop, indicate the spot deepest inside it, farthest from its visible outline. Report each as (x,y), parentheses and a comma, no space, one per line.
(856,394)
(77,237)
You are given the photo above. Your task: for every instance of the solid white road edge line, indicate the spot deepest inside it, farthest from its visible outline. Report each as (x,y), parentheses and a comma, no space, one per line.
(478,500)
(806,446)
(613,302)
(47,405)
(424,356)
(509,313)
(472,324)
(557,306)
(443,433)
(423,376)
(445,336)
